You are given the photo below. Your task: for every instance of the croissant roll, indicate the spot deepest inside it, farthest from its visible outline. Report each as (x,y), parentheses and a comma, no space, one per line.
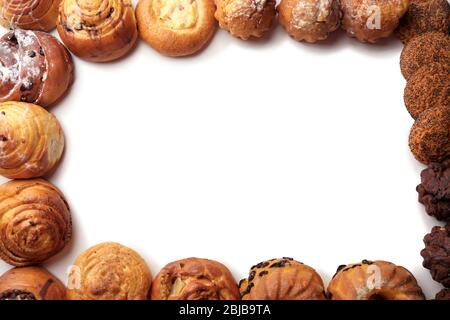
(109,271)
(35,221)
(31,140)
(98,30)
(29,14)
(31,283)
(34,67)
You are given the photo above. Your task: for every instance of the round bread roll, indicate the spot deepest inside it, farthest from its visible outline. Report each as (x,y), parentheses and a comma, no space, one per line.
(31,283)
(35,222)
(97,30)
(29,14)
(109,271)
(176,27)
(194,279)
(34,67)
(31,141)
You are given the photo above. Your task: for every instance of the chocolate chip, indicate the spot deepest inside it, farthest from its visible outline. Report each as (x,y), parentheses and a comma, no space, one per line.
(32,54)
(26,85)
(263,273)
(367,262)
(251,276)
(241,282)
(15,294)
(12,37)
(260,265)
(111,11)
(279,264)
(288,258)
(41,51)
(3,113)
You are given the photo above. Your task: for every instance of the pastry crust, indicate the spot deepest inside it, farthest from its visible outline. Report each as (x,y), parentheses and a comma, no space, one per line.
(34,67)
(35,221)
(29,14)
(109,271)
(372,20)
(282,279)
(31,283)
(97,30)
(31,141)
(309,20)
(374,280)
(246,18)
(176,27)
(194,279)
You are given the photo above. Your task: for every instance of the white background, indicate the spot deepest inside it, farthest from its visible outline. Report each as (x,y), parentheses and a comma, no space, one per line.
(245,152)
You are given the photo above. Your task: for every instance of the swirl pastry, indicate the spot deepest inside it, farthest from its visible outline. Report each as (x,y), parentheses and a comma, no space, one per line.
(176,27)
(374,280)
(34,67)
(282,279)
(194,279)
(246,18)
(35,221)
(97,30)
(31,140)
(31,283)
(109,271)
(29,14)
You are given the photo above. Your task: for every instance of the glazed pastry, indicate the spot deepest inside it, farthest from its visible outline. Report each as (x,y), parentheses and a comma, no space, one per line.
(31,140)
(29,14)
(176,27)
(246,18)
(424,16)
(34,67)
(31,283)
(430,47)
(309,20)
(109,271)
(97,30)
(35,222)
(282,279)
(194,279)
(372,20)
(429,139)
(436,254)
(374,280)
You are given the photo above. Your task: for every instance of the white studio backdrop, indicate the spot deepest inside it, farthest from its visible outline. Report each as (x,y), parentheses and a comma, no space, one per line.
(245,152)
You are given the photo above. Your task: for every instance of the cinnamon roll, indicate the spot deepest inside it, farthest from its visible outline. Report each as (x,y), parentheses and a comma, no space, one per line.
(31,283)
(34,67)
(97,30)
(29,14)
(195,279)
(35,221)
(109,271)
(31,141)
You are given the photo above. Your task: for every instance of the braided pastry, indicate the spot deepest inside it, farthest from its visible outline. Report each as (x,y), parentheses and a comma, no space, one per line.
(31,140)
(35,221)
(34,67)
(194,279)
(29,14)
(97,30)
(109,271)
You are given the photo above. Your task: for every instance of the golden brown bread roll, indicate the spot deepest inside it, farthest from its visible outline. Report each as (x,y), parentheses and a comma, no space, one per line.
(176,27)
(31,283)
(31,140)
(282,279)
(194,279)
(35,221)
(246,18)
(29,14)
(109,271)
(34,67)
(97,30)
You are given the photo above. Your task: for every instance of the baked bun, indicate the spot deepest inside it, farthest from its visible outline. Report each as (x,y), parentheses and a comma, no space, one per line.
(97,30)
(35,68)
(246,18)
(31,140)
(29,14)
(176,27)
(309,20)
(35,222)
(109,271)
(31,283)
(282,279)
(194,279)
(374,280)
